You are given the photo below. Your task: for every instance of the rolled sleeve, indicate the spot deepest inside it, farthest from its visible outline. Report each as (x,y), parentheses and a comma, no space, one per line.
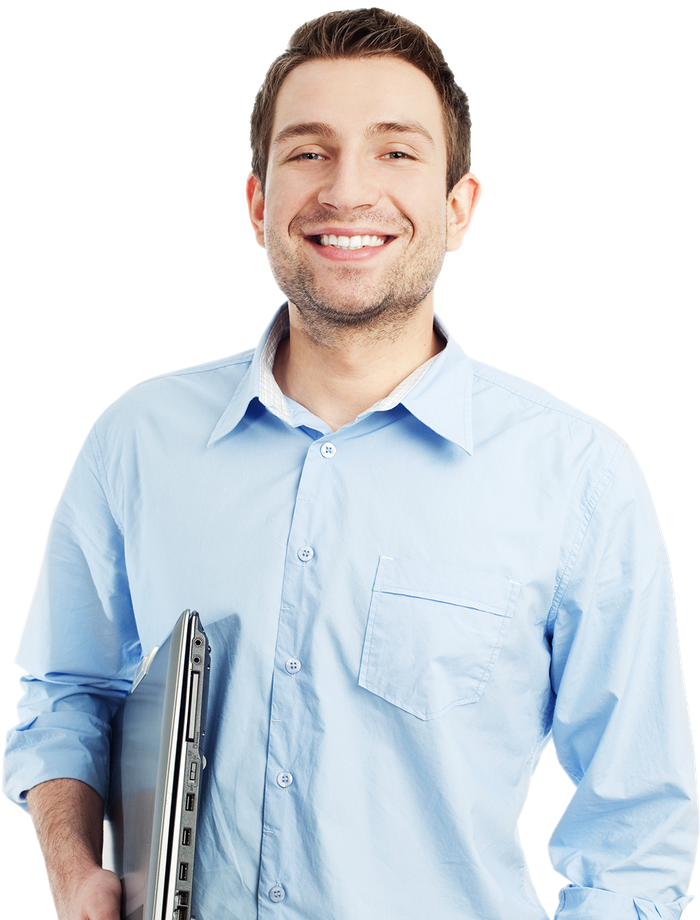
(620,723)
(80,645)
(576,903)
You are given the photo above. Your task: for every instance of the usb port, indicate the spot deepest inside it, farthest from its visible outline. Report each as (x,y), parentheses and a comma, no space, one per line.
(183,898)
(189,801)
(186,836)
(184,867)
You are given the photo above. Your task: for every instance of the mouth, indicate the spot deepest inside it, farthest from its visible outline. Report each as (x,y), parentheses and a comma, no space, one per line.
(351,242)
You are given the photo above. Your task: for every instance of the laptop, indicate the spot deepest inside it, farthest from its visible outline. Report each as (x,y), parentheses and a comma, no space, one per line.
(155,780)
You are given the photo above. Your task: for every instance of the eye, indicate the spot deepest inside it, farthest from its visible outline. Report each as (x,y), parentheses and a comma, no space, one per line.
(309,155)
(397,155)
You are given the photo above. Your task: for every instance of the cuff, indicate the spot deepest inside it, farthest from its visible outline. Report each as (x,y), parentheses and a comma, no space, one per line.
(58,745)
(576,903)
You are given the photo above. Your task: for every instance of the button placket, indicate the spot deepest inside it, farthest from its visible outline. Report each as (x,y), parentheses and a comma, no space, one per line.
(289,715)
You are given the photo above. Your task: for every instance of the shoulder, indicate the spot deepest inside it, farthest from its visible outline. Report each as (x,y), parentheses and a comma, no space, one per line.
(211,376)
(184,400)
(540,429)
(518,395)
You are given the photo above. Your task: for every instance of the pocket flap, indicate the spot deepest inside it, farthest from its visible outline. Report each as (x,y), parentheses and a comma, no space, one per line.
(462,587)
(433,634)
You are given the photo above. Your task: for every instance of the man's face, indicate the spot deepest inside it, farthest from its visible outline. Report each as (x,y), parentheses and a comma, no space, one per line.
(355,218)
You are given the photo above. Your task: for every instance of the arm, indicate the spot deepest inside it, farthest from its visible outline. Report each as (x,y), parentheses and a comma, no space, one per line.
(620,724)
(80,646)
(67,815)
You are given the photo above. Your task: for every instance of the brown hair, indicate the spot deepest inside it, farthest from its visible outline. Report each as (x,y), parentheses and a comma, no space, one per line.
(358,34)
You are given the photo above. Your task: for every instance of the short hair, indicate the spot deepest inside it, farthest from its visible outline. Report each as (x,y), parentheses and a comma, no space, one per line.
(359,34)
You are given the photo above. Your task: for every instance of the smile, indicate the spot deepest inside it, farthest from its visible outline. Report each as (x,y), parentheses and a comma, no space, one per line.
(350,242)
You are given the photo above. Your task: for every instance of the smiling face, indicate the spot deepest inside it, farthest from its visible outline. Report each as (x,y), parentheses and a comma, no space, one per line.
(355,219)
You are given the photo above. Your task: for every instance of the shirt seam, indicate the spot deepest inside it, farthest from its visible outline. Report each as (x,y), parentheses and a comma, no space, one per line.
(98,457)
(555,406)
(245,358)
(589,510)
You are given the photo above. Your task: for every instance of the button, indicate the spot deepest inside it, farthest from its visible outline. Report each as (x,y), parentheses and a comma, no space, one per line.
(284,779)
(277,893)
(293,665)
(327,449)
(305,553)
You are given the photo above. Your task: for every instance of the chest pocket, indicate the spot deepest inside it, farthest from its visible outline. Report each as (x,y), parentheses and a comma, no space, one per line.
(433,634)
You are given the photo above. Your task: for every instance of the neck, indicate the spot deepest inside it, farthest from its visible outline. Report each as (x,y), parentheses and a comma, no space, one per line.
(343,375)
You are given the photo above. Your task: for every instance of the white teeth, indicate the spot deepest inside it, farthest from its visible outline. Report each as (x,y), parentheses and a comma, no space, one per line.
(351,242)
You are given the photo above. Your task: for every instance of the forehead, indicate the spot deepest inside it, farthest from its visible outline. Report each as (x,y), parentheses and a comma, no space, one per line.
(351,93)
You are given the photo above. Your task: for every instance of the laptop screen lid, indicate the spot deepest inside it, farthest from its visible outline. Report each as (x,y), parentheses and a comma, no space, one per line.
(155,777)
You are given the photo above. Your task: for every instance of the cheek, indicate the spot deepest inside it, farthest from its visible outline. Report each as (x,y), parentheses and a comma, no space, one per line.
(280,211)
(273,222)
(288,191)
(424,203)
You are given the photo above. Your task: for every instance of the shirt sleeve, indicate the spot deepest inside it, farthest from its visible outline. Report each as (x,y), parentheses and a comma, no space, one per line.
(620,722)
(80,646)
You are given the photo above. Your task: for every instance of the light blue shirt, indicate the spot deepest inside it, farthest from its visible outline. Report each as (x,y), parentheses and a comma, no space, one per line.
(401,612)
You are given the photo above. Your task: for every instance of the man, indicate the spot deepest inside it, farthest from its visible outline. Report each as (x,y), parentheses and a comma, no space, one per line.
(412,567)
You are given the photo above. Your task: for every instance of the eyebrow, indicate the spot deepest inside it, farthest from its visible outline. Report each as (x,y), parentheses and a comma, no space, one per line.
(320,129)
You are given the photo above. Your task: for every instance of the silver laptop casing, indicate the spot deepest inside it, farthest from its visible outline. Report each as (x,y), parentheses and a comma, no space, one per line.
(155,780)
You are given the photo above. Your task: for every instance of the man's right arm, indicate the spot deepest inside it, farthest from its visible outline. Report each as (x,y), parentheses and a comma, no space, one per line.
(80,650)
(68,816)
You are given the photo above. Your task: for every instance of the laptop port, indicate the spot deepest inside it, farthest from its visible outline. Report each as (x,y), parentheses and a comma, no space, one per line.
(183,898)
(184,869)
(189,801)
(186,836)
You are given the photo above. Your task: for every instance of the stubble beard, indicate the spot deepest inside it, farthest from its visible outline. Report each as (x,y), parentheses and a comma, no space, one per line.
(379,312)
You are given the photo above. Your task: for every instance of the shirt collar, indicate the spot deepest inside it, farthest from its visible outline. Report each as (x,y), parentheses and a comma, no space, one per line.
(438,393)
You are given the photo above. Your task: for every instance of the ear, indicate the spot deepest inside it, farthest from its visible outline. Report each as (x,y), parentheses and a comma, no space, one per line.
(460,206)
(256,207)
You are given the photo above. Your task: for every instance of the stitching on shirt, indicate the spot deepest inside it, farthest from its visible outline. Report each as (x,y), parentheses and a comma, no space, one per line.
(380,588)
(98,457)
(494,651)
(374,600)
(506,620)
(245,357)
(588,512)
(377,590)
(555,405)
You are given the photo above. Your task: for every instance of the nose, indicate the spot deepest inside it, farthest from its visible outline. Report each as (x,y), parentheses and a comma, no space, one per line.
(348,185)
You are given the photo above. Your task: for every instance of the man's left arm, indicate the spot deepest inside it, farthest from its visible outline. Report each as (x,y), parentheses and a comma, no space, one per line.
(620,726)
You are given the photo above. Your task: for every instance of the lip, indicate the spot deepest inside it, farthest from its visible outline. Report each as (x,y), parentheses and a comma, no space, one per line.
(334,254)
(347,231)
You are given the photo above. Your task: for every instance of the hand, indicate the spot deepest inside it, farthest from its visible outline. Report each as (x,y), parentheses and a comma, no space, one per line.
(96,897)
(67,815)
